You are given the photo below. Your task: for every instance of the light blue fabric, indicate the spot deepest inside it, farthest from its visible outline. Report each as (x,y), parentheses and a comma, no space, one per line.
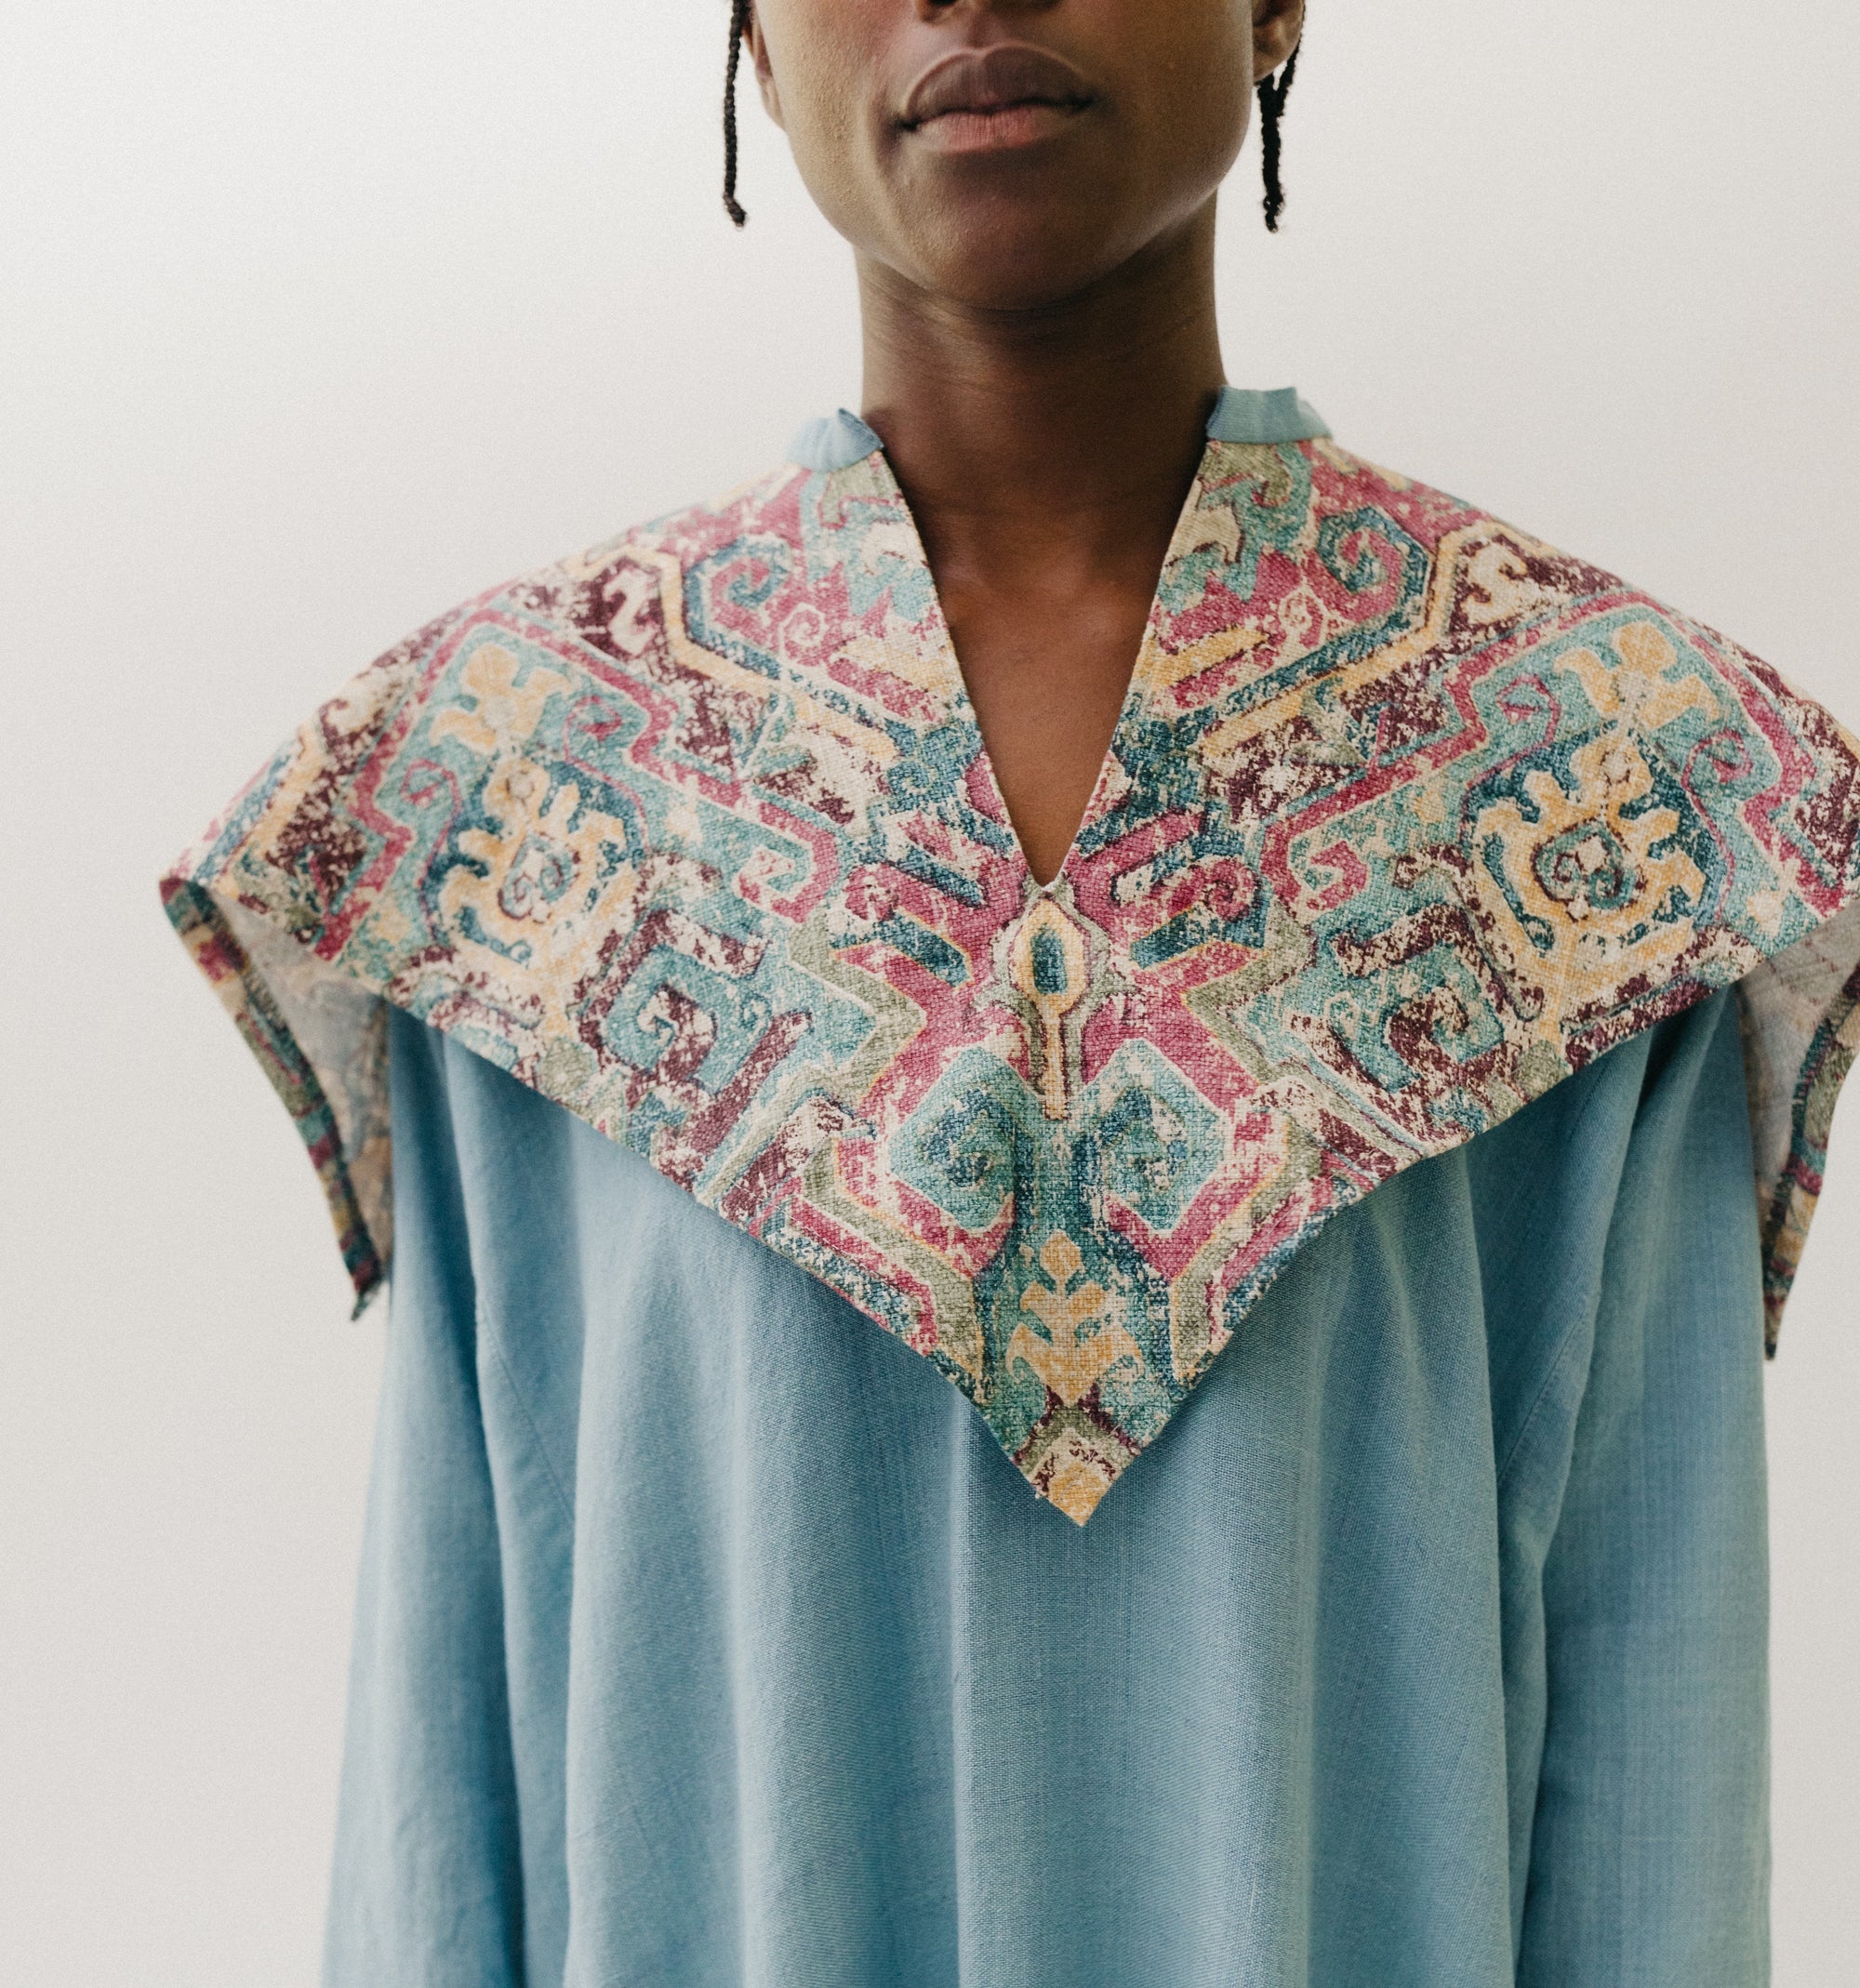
(834,441)
(706,1636)
(1269,414)
(1242,414)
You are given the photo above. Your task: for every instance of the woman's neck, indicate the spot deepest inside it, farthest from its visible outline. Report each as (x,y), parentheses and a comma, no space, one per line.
(1070,428)
(1046,455)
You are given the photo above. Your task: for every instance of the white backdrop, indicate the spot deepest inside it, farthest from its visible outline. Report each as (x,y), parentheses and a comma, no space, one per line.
(314,320)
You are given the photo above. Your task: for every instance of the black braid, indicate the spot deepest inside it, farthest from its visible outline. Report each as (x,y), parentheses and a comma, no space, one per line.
(739,26)
(1273,92)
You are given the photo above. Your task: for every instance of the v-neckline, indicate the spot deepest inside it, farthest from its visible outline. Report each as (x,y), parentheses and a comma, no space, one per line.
(953,685)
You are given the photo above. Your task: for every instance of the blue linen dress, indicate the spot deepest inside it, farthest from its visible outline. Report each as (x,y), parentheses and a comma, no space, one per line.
(1455,940)
(1426,1645)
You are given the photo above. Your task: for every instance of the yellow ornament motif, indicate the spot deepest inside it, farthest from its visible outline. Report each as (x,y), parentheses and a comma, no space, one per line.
(1067,1362)
(1587,876)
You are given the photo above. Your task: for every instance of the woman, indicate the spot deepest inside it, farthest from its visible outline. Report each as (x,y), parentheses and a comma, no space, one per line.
(1290,1041)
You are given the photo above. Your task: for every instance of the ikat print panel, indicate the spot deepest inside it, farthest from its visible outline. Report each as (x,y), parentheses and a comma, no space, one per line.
(1406,817)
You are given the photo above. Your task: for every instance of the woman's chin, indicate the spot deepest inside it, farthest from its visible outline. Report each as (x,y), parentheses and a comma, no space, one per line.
(1012,262)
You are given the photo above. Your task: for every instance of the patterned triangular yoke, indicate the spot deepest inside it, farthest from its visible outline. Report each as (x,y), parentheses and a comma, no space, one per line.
(1406,817)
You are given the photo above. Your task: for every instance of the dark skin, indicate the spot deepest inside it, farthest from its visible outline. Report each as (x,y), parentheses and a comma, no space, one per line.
(1035,241)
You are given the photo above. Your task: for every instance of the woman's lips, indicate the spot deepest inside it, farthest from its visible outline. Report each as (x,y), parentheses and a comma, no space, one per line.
(979,100)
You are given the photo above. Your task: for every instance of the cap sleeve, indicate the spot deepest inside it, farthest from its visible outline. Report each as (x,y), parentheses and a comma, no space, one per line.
(258,901)
(1800,1016)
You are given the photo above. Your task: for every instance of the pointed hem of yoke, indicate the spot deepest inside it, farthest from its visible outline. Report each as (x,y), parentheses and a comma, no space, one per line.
(1408,818)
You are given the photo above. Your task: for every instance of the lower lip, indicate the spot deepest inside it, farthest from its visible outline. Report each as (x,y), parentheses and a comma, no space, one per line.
(1012,125)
